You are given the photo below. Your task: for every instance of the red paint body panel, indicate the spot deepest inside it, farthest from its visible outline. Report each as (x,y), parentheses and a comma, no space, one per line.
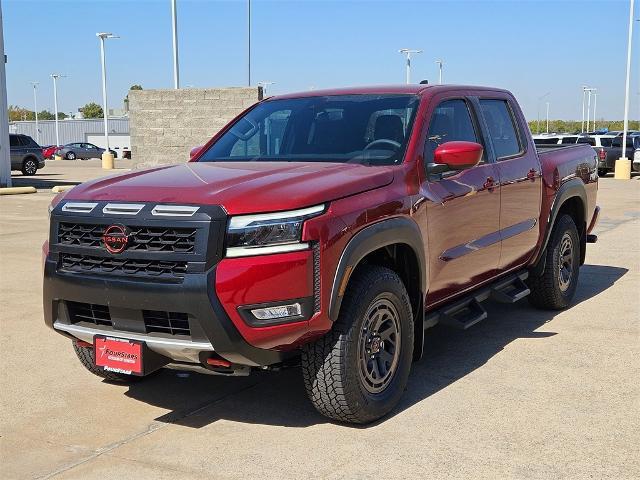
(476,224)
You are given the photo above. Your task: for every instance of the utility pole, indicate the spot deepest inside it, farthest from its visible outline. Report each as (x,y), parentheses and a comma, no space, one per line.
(439,63)
(623,164)
(5,151)
(107,157)
(35,109)
(589,90)
(408,52)
(174,22)
(595,105)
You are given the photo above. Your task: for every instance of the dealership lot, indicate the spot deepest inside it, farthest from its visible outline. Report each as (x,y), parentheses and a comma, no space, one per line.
(524,394)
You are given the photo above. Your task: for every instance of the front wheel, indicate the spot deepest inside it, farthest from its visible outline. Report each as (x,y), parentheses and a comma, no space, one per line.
(555,287)
(29,167)
(357,372)
(70,156)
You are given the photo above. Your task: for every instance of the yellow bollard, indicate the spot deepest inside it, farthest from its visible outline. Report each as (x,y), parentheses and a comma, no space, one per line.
(107,161)
(623,169)
(57,157)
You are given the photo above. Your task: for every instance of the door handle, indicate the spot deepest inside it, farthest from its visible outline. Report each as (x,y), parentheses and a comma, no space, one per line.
(531,175)
(489,184)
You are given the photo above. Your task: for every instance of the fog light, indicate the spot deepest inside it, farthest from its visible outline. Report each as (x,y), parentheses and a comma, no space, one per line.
(281,311)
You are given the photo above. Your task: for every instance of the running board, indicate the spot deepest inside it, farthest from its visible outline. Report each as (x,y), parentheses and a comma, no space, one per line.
(468,311)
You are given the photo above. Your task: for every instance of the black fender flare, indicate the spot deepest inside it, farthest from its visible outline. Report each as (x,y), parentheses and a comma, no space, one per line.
(380,234)
(571,188)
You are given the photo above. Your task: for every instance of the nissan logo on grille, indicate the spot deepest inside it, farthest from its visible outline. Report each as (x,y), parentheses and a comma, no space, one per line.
(116,238)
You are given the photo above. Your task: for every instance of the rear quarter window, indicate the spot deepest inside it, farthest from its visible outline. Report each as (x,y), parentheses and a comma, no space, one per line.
(502,128)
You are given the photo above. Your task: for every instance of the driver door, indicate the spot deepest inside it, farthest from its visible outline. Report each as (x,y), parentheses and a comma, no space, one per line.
(463,207)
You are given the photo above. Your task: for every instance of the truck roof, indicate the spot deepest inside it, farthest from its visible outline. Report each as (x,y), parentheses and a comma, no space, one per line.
(414,89)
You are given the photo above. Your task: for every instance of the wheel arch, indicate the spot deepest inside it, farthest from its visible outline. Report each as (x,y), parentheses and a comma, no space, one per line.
(570,199)
(395,243)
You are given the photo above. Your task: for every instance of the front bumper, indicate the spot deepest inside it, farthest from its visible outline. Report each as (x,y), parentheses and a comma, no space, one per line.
(210,327)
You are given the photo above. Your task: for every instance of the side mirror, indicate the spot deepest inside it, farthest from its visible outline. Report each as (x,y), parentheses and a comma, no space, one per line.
(458,155)
(194,152)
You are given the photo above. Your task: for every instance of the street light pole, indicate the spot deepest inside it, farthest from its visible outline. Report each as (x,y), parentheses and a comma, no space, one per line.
(439,63)
(623,164)
(595,105)
(35,109)
(55,77)
(174,22)
(547,117)
(540,98)
(584,93)
(408,52)
(107,158)
(588,107)
(249,43)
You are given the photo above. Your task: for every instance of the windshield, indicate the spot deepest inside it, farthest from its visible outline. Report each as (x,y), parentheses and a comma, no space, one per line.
(367,129)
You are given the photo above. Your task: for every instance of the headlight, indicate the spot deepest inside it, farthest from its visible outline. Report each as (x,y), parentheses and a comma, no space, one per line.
(268,232)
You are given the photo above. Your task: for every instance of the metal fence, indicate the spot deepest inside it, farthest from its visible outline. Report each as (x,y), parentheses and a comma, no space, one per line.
(70,130)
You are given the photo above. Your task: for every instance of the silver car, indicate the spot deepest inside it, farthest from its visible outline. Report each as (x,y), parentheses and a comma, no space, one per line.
(71,151)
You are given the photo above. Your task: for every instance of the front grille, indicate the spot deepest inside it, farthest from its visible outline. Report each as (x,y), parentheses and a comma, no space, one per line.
(89,312)
(173,323)
(122,266)
(146,239)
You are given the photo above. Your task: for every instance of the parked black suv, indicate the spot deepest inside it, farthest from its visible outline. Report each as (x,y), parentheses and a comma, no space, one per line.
(26,154)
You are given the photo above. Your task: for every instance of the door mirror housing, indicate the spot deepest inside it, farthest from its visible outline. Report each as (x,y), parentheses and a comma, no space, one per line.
(195,151)
(458,155)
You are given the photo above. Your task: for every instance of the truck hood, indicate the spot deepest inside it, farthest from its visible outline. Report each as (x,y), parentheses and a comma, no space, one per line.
(239,187)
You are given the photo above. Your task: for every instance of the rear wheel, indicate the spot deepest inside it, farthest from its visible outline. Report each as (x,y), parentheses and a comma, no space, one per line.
(86,355)
(358,371)
(70,156)
(555,287)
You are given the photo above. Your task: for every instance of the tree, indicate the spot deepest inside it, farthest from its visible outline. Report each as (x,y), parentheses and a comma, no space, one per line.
(17,114)
(136,87)
(46,115)
(92,110)
(126,99)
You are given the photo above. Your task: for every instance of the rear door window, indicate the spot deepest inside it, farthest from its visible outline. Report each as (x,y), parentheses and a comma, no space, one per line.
(588,141)
(566,140)
(14,141)
(502,128)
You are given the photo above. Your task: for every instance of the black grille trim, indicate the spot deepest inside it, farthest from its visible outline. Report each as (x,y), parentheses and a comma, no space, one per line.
(122,266)
(173,323)
(89,312)
(147,239)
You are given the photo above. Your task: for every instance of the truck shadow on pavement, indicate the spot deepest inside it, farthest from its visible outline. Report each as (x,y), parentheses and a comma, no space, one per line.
(278,398)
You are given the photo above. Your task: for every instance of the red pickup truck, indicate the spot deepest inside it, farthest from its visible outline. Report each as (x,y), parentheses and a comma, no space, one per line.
(327,230)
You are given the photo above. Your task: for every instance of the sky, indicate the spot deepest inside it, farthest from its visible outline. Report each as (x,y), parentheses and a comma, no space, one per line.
(529,47)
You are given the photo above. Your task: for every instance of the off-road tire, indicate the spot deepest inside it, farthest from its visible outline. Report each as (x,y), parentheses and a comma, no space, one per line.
(331,365)
(29,166)
(546,291)
(70,156)
(86,355)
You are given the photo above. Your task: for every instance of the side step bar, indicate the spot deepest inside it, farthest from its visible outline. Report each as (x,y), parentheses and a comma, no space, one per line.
(468,311)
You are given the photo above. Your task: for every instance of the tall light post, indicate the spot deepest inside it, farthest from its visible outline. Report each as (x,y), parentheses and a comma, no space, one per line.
(264,86)
(547,117)
(439,63)
(249,43)
(595,106)
(174,23)
(55,77)
(35,109)
(590,91)
(107,157)
(584,93)
(623,164)
(408,52)
(540,98)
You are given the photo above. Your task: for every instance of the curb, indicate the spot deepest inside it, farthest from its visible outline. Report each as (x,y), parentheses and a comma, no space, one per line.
(16,190)
(62,188)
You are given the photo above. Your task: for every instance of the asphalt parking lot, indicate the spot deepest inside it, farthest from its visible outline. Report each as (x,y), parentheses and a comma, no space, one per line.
(524,394)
